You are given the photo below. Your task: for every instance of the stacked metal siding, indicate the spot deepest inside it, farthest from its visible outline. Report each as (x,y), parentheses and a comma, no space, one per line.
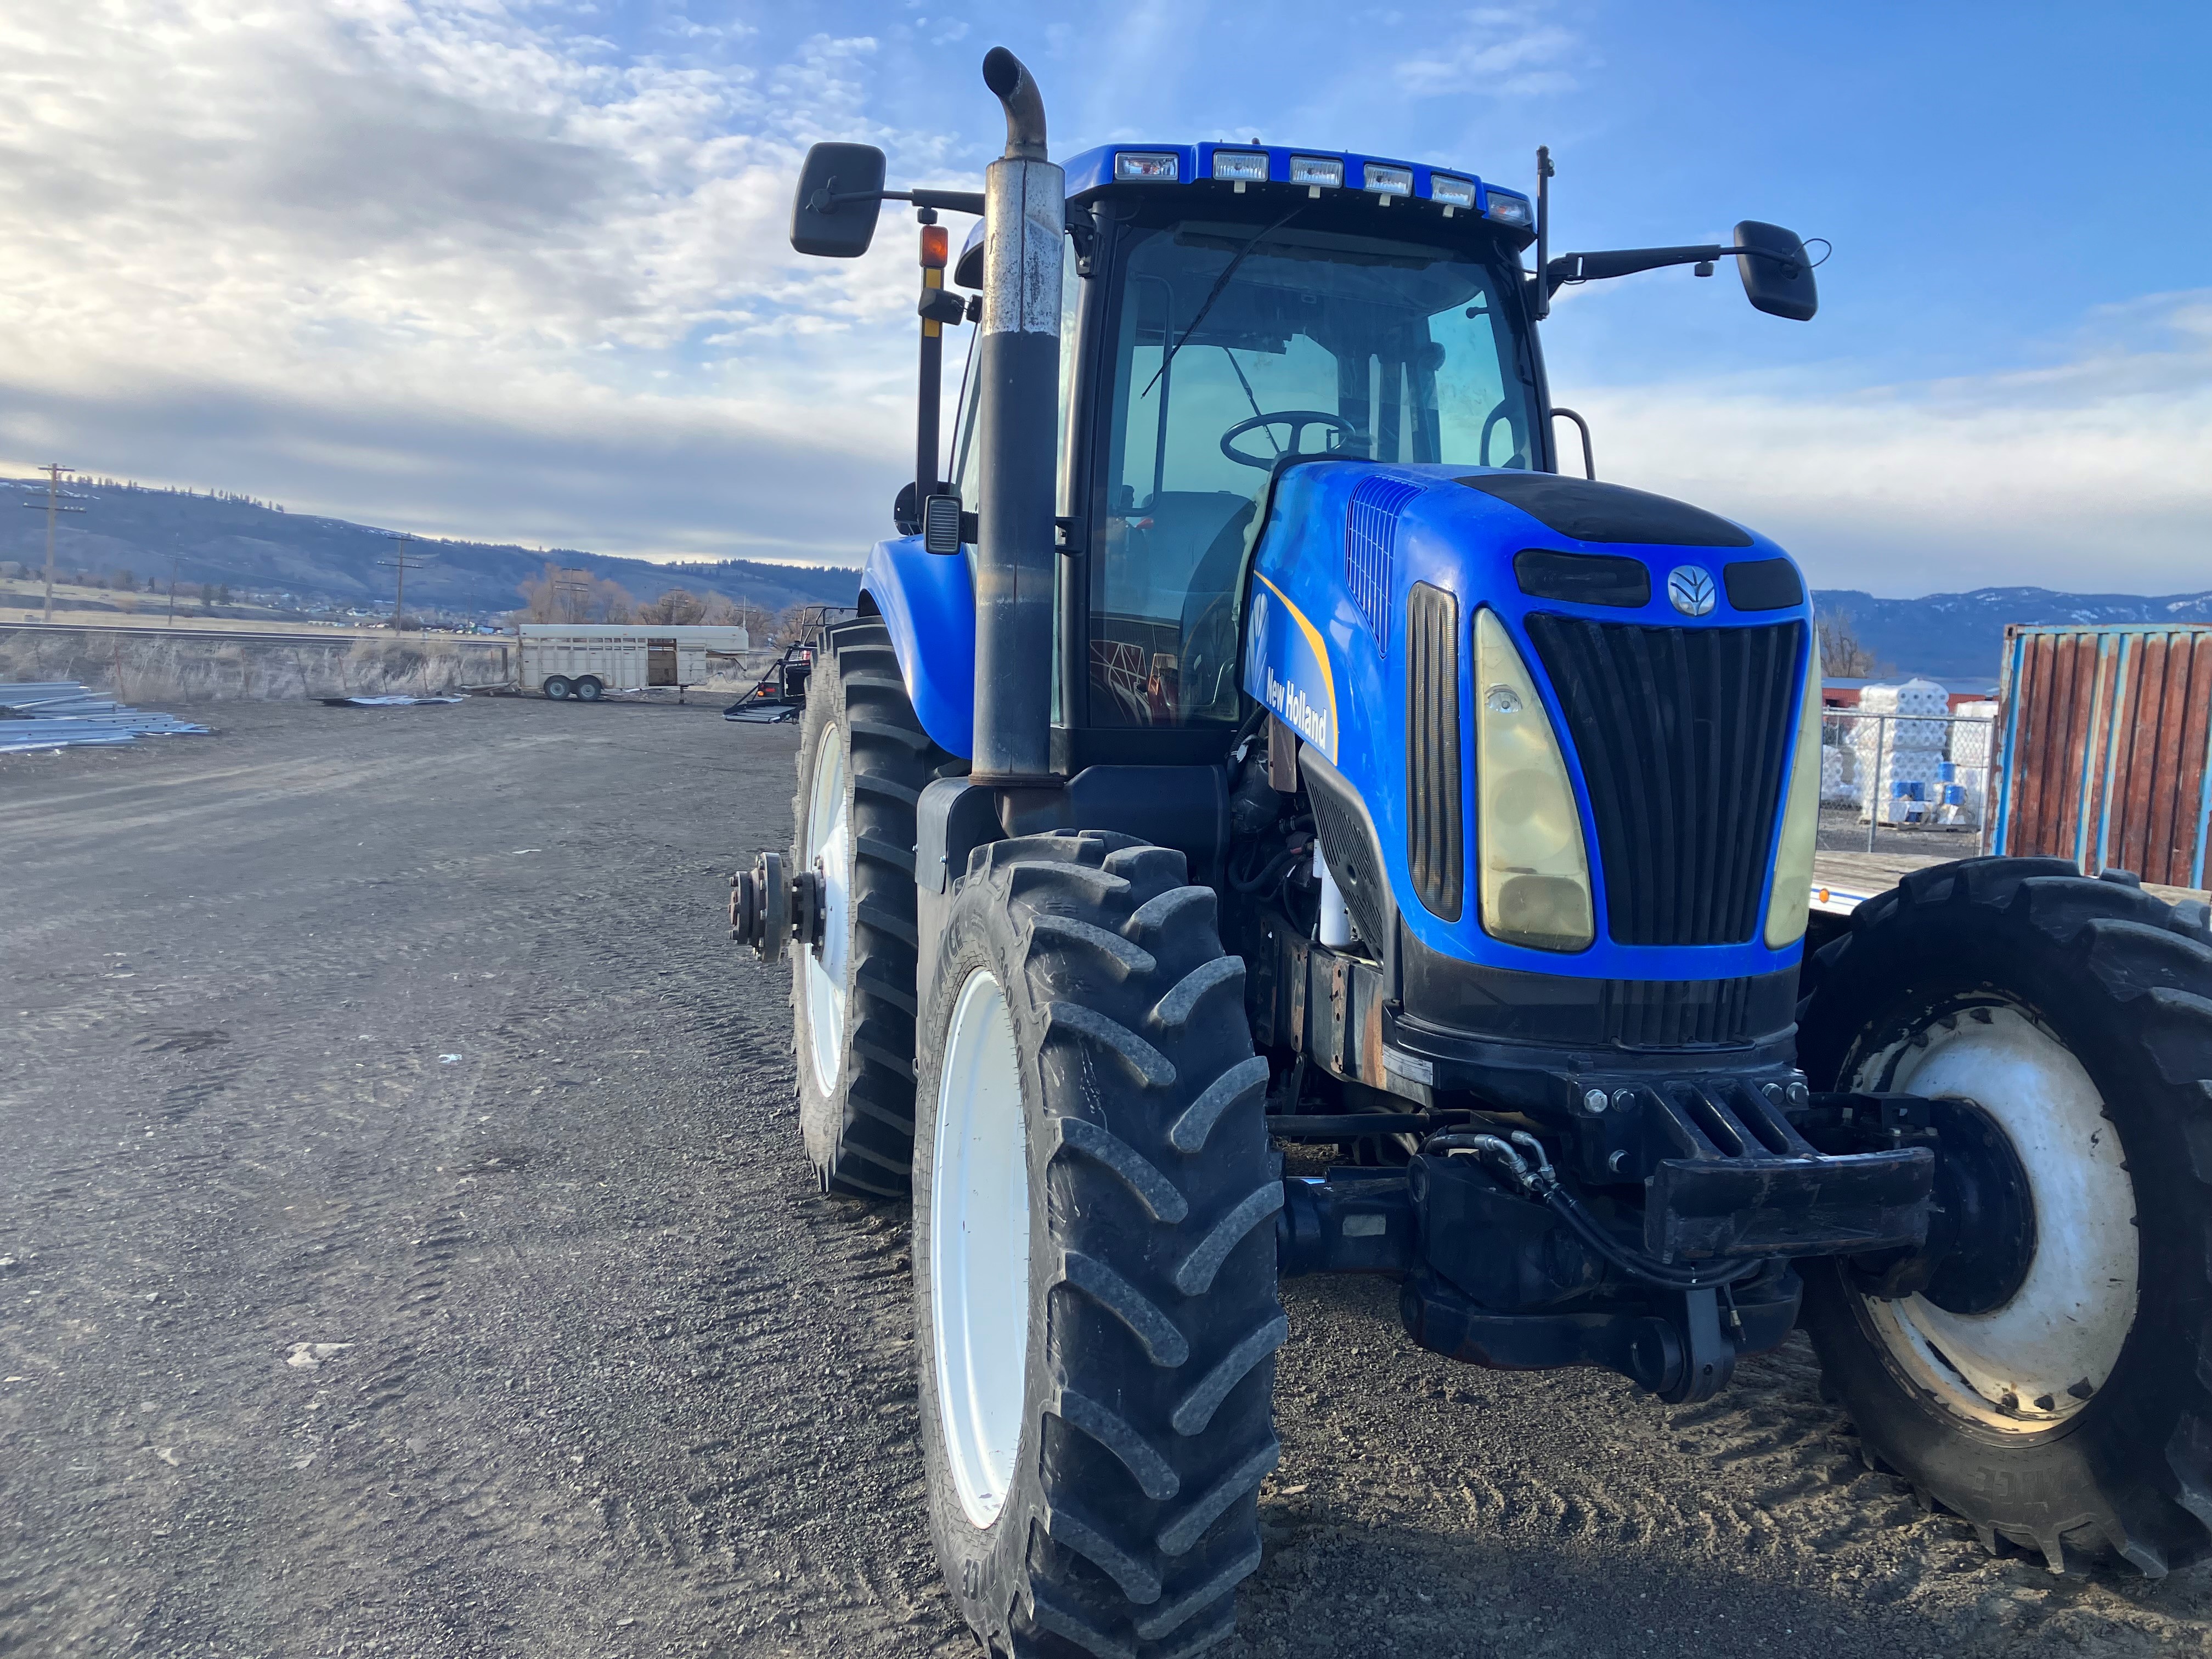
(59,714)
(2106,755)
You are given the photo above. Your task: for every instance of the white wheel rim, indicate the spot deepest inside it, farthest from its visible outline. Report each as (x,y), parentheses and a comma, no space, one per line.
(978,1250)
(2038,1359)
(829,847)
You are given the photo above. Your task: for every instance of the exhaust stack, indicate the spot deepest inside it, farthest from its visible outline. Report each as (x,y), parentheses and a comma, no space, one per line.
(1017,380)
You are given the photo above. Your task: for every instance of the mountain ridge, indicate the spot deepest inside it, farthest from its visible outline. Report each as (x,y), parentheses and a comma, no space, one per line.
(216,538)
(220,538)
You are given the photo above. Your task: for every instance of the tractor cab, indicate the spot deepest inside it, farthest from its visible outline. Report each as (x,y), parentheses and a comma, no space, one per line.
(1217,330)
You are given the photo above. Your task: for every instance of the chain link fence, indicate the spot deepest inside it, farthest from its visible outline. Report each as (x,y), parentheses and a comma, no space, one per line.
(1907,780)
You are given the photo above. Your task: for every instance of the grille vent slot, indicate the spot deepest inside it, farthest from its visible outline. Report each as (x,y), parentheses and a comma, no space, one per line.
(1435,832)
(1371,544)
(1683,735)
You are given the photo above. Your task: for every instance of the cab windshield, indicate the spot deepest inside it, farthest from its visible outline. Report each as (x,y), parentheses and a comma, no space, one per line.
(1237,345)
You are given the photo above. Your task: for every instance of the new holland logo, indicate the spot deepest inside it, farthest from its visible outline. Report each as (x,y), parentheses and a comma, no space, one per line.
(1692,589)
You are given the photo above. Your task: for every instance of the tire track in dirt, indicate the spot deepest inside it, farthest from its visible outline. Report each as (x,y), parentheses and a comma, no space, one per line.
(585,1365)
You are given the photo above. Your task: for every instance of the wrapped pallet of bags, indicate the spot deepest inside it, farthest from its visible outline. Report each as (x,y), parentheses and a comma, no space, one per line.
(1838,782)
(1971,746)
(1899,748)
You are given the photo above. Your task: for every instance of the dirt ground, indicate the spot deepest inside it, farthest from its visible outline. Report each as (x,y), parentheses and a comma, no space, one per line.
(405,1248)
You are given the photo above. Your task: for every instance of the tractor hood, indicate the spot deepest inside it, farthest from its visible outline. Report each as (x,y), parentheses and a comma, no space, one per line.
(1601,589)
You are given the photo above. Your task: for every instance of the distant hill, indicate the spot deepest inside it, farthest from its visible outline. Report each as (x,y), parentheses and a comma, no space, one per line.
(255,546)
(1961,635)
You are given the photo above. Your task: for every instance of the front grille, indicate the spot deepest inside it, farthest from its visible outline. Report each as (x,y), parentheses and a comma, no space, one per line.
(1683,735)
(1435,840)
(1680,1014)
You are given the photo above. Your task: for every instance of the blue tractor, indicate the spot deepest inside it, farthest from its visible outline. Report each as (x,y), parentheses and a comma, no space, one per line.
(1258,746)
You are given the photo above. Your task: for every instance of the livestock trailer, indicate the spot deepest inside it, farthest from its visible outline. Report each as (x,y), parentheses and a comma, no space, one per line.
(585,659)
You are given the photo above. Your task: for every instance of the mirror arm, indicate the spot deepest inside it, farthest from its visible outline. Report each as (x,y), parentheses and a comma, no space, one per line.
(824,200)
(1626,262)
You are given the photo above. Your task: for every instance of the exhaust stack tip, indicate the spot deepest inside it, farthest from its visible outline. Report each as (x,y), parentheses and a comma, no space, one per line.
(1017,89)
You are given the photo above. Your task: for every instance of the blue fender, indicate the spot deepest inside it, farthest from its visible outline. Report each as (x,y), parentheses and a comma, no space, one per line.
(928,601)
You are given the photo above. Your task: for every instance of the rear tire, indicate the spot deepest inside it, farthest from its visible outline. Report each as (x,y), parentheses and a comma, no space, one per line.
(863,762)
(1095,1418)
(587,690)
(557,687)
(2078,1015)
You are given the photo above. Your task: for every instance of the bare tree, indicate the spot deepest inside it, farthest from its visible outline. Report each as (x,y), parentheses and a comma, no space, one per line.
(557,595)
(1842,656)
(796,623)
(676,608)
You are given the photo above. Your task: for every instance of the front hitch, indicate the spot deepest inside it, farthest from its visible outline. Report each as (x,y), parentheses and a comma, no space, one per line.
(769,908)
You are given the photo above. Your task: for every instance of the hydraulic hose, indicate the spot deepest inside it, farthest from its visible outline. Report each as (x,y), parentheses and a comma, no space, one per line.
(1540,1181)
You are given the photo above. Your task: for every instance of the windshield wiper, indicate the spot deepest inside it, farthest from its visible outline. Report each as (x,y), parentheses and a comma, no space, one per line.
(1214,293)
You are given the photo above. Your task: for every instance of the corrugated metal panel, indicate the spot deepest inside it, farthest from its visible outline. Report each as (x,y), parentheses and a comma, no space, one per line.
(2107,748)
(51,714)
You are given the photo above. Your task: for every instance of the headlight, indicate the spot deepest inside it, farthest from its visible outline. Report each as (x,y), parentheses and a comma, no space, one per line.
(1244,165)
(1801,824)
(1320,171)
(1387,180)
(1535,874)
(1508,210)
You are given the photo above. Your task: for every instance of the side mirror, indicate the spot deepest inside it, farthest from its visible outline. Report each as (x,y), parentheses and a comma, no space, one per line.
(1778,279)
(839,195)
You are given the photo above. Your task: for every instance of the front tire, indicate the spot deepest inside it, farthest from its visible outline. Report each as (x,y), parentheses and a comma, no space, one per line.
(1094,1254)
(2062,1403)
(863,762)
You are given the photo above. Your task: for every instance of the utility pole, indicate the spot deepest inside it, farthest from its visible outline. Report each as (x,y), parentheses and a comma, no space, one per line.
(401,563)
(576,584)
(175,559)
(53,472)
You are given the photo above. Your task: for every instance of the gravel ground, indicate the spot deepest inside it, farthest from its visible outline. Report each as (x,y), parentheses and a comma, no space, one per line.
(405,1248)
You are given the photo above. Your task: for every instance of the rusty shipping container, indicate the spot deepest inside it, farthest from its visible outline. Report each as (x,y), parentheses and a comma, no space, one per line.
(2106,754)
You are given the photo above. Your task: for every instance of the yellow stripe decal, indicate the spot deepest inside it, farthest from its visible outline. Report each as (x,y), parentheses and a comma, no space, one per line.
(1321,658)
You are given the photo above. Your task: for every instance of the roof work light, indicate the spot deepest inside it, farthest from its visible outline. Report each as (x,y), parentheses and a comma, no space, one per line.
(1150,167)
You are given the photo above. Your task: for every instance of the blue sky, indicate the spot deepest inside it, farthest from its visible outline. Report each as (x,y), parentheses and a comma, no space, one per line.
(517,271)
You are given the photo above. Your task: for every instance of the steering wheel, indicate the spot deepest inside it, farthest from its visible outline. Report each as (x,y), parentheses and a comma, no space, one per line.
(1297,419)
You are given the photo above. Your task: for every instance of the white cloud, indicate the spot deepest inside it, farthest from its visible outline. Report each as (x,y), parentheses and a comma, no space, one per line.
(1494,52)
(2088,474)
(292,225)
(458,266)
